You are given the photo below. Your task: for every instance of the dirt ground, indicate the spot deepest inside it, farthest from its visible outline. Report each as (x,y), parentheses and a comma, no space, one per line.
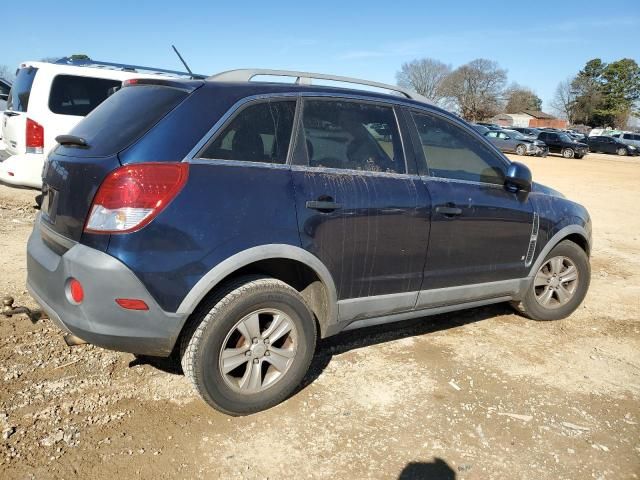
(477,394)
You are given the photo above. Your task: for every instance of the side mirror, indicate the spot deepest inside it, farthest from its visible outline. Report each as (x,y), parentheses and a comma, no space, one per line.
(518,177)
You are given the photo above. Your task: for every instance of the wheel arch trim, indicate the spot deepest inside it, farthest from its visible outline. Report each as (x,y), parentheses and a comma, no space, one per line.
(254,254)
(555,240)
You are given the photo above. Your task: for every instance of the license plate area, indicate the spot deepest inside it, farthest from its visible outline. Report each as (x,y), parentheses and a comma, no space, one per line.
(49,203)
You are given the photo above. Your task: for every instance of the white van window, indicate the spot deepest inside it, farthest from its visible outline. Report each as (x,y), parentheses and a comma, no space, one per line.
(72,95)
(18,100)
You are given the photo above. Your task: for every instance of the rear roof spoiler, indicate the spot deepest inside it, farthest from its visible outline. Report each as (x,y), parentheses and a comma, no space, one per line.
(305,78)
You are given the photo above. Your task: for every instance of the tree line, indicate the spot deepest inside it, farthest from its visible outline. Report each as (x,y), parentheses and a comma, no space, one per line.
(601,94)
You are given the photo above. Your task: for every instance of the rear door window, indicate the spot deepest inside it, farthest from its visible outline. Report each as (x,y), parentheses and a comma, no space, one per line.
(261,132)
(351,135)
(451,152)
(73,95)
(18,100)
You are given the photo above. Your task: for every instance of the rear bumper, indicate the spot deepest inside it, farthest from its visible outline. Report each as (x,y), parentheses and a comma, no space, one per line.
(23,170)
(98,320)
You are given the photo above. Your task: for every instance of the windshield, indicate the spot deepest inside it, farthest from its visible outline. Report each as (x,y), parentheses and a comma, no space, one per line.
(565,138)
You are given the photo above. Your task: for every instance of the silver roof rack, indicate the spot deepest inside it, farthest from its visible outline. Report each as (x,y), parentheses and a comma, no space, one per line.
(305,78)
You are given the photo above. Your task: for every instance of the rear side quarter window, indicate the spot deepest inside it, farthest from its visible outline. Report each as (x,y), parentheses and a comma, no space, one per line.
(260,132)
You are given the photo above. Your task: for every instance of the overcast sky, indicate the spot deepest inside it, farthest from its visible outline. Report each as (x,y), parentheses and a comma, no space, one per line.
(539,43)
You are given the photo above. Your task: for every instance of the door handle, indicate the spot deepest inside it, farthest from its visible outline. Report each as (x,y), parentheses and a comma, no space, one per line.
(323,205)
(449,211)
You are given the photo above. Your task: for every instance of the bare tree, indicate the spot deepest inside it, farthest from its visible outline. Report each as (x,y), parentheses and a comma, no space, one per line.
(476,89)
(564,100)
(7,73)
(521,98)
(425,76)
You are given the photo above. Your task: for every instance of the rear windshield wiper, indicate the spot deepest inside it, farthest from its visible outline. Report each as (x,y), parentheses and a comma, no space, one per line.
(71,140)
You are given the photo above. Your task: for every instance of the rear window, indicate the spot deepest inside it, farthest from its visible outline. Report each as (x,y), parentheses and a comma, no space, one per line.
(73,95)
(123,118)
(18,100)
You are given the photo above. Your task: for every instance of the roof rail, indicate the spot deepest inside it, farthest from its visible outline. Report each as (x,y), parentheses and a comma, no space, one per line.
(87,62)
(305,78)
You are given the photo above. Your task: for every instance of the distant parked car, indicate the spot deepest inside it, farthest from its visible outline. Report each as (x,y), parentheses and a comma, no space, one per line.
(49,99)
(560,142)
(5,86)
(534,132)
(628,138)
(611,145)
(515,142)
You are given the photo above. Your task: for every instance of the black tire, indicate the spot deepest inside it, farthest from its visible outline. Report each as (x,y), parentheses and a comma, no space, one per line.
(568,152)
(521,149)
(530,307)
(211,324)
(622,151)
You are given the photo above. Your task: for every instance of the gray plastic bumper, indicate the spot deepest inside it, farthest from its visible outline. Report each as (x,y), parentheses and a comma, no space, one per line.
(99,319)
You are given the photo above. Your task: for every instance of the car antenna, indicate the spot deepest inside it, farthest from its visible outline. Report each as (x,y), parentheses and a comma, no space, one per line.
(182,60)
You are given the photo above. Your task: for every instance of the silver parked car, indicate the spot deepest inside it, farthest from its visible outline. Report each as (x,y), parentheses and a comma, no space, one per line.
(515,142)
(628,138)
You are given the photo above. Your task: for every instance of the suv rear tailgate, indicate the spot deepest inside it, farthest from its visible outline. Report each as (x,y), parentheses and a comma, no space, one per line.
(73,174)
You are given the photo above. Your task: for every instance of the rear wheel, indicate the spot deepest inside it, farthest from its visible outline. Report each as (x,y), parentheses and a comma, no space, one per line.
(568,152)
(521,150)
(249,347)
(622,151)
(560,284)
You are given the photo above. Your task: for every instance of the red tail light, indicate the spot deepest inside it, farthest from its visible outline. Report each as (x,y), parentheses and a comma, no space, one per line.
(34,137)
(132,196)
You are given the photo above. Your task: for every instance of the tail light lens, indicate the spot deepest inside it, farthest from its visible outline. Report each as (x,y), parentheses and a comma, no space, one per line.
(34,137)
(132,196)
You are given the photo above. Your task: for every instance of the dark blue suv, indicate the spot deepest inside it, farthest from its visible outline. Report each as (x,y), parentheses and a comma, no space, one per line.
(233,222)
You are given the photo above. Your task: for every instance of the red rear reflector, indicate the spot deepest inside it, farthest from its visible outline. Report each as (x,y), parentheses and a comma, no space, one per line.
(131,81)
(76,291)
(131,196)
(34,137)
(132,304)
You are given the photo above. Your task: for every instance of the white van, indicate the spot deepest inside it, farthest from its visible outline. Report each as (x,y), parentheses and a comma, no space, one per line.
(49,99)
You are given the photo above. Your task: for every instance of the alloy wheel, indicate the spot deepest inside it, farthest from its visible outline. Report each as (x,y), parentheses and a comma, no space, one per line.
(556,282)
(258,351)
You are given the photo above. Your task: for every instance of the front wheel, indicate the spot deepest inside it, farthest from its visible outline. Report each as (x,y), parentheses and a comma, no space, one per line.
(249,347)
(622,152)
(559,285)
(568,153)
(521,150)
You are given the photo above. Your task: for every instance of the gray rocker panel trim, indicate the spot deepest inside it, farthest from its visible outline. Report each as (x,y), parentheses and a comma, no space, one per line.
(555,240)
(255,254)
(398,317)
(357,309)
